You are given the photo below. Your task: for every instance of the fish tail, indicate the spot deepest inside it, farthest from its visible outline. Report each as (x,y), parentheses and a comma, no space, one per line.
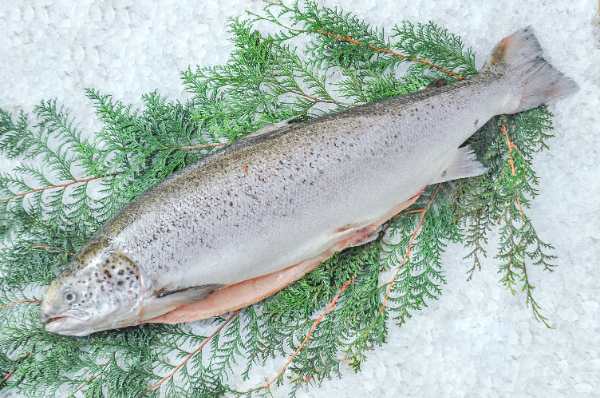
(519,57)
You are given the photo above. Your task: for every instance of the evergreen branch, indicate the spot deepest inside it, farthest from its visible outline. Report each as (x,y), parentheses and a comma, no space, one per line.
(13,371)
(63,186)
(527,287)
(188,148)
(165,148)
(422,61)
(428,41)
(317,322)
(191,354)
(476,241)
(412,239)
(92,378)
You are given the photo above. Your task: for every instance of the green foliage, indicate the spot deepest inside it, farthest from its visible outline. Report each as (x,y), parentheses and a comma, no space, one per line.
(47,213)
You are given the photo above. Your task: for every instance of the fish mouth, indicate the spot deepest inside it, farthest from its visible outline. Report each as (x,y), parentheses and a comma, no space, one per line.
(60,324)
(68,323)
(55,322)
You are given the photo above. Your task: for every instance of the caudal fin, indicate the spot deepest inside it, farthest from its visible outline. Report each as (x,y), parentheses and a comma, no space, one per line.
(519,57)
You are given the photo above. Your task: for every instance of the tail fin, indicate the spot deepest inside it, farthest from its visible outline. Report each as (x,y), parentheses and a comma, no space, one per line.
(519,56)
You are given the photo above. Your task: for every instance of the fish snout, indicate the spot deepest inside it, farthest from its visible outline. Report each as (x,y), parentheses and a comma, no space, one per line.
(46,310)
(44,316)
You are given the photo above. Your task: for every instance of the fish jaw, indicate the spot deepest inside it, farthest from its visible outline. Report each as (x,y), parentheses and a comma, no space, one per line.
(67,325)
(71,326)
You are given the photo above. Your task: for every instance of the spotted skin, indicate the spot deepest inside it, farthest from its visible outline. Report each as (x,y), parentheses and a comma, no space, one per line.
(108,283)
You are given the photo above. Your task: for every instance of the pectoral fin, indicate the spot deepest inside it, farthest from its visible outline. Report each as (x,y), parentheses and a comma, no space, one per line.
(164,301)
(239,295)
(463,165)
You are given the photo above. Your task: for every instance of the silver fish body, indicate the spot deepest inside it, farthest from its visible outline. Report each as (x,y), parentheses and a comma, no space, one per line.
(271,201)
(268,202)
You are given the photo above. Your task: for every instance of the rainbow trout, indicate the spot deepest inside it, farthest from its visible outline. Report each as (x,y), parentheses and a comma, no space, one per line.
(244,222)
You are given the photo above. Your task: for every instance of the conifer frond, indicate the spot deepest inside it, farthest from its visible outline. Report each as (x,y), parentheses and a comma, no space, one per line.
(333,315)
(420,276)
(435,45)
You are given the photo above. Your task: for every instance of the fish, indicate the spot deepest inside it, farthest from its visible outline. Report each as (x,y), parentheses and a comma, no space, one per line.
(244,222)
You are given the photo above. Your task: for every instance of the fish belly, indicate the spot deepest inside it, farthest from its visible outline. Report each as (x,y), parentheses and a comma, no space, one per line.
(249,292)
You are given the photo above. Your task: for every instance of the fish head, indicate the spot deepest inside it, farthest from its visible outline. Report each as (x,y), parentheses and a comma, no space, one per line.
(99,290)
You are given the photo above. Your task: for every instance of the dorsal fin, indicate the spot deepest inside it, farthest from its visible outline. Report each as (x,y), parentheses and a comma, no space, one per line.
(272,127)
(441,82)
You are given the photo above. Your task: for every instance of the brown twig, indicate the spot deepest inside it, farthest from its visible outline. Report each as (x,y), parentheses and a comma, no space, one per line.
(408,212)
(53,248)
(423,61)
(512,163)
(510,148)
(18,302)
(194,352)
(63,186)
(13,371)
(91,379)
(307,338)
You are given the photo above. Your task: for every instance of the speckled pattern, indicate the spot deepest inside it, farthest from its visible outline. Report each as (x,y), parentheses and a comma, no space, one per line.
(281,197)
(477,340)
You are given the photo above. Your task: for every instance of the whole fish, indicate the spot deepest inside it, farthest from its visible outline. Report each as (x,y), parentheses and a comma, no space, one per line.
(244,222)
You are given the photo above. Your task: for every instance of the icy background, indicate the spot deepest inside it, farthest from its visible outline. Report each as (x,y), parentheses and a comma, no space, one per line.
(478,340)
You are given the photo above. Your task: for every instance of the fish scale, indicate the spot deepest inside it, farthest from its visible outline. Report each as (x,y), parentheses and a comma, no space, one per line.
(247,220)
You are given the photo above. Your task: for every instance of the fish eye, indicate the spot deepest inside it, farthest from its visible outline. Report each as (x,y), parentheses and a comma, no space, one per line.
(70,296)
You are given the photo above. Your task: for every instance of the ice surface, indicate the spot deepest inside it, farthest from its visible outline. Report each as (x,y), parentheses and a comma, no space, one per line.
(478,340)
